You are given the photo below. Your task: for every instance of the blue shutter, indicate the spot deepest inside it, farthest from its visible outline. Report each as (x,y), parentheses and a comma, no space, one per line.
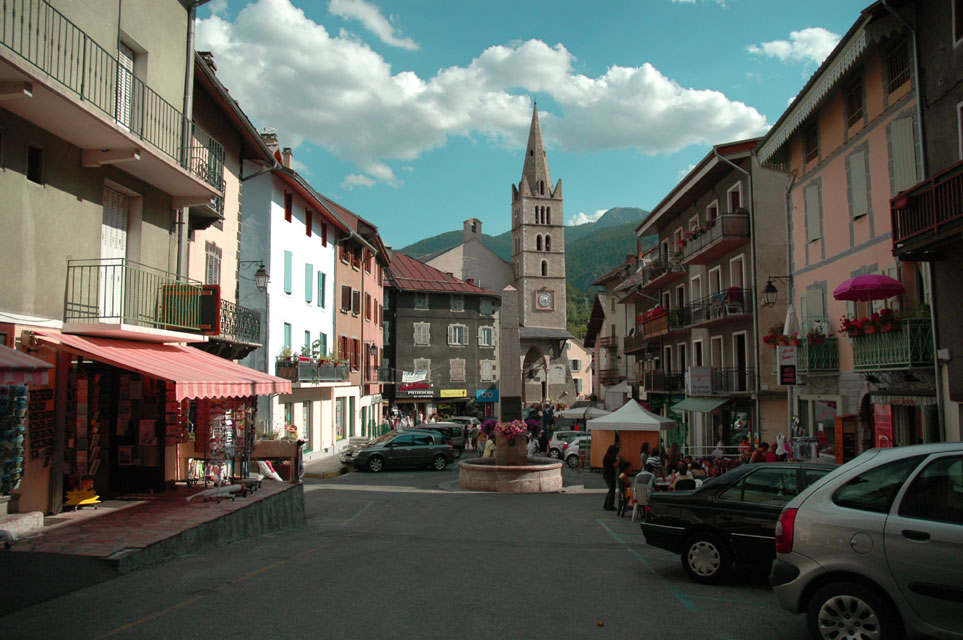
(308,282)
(288,257)
(321,288)
(287,335)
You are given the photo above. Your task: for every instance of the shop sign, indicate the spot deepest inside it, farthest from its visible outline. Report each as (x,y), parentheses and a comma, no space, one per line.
(884,425)
(414,376)
(486,395)
(454,393)
(787,365)
(700,381)
(414,390)
(376,399)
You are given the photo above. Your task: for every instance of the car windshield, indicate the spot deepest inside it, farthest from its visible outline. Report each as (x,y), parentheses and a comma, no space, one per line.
(383,439)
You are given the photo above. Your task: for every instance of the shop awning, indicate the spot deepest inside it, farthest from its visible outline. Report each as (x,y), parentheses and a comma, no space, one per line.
(194,373)
(699,403)
(17,367)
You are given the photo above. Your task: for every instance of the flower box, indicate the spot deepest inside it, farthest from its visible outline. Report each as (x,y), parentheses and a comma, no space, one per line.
(888,327)
(817,339)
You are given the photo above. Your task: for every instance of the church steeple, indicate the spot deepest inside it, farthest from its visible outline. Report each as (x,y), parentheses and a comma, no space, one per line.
(535,173)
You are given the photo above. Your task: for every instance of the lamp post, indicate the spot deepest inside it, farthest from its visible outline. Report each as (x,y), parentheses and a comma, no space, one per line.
(771,294)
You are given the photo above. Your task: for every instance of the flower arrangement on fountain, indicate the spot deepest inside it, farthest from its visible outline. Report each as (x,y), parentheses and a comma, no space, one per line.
(511,430)
(488,427)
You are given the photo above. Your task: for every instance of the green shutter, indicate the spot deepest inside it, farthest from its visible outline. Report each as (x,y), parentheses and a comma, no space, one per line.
(308,282)
(287,335)
(804,311)
(903,145)
(814,304)
(321,287)
(812,212)
(288,257)
(858,190)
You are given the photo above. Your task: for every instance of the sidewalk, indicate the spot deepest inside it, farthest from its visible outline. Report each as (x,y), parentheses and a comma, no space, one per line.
(328,466)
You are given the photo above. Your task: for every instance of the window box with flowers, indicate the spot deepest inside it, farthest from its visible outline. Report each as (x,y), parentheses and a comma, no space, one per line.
(887,320)
(816,336)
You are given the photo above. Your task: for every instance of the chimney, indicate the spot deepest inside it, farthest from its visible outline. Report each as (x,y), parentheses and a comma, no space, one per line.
(208,59)
(270,137)
(286,156)
(470,281)
(471,229)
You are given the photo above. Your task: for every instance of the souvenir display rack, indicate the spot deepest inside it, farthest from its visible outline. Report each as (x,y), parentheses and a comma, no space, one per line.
(13,410)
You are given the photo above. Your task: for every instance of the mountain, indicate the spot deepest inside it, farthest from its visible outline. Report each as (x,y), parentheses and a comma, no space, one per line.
(591,249)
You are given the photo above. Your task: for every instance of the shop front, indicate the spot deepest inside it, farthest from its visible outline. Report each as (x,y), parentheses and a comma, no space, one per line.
(487,402)
(452,402)
(413,399)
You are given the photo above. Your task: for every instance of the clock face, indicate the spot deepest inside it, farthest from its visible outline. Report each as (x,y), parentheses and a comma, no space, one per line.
(544,299)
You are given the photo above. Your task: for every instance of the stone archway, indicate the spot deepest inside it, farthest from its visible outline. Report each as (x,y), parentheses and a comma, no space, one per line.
(534,376)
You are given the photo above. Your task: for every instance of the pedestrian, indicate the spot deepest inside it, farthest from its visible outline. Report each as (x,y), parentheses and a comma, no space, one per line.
(474,437)
(532,445)
(654,463)
(673,458)
(759,455)
(543,441)
(644,455)
(771,454)
(489,447)
(625,486)
(745,450)
(609,472)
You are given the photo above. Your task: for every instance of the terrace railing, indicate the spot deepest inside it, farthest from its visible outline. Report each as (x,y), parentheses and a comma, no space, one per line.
(727,230)
(929,209)
(296,370)
(240,323)
(734,301)
(911,345)
(819,358)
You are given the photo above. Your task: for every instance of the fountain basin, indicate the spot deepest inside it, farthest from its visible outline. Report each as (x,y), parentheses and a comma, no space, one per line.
(537,475)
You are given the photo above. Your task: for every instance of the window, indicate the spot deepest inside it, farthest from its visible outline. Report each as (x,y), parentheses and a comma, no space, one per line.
(457,334)
(343,253)
(814,213)
(854,103)
(457,302)
(456,368)
(323,343)
(765,486)
(936,493)
(386,333)
(575,365)
(538,243)
(548,215)
(735,198)
(902,144)
(308,282)
(288,276)
(485,307)
(421,301)
(712,211)
(897,66)
(288,206)
(578,385)
(35,164)
(811,141)
(857,174)
(356,259)
(876,489)
(355,302)
(322,289)
(548,243)
(957,21)
(308,219)
(355,354)
(345,298)
(486,336)
(367,307)
(324,234)
(367,262)
(422,364)
(544,267)
(422,335)
(287,335)
(307,342)
(487,370)
(212,263)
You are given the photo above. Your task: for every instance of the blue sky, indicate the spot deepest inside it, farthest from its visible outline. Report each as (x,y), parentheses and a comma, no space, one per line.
(414,113)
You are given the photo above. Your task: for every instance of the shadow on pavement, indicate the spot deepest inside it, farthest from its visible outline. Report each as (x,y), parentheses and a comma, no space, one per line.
(33,578)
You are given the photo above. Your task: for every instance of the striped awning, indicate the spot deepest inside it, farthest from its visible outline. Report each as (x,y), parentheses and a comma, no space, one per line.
(194,373)
(17,367)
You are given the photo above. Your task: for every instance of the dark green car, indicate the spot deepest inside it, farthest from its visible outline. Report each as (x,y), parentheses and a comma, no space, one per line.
(410,448)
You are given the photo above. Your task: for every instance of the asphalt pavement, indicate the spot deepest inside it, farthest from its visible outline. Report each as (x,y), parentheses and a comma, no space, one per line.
(404,554)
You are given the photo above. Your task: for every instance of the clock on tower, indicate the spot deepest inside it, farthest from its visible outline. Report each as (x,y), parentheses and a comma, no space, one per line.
(544,300)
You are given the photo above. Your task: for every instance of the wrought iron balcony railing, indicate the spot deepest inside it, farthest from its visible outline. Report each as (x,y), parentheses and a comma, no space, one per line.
(115,290)
(662,271)
(240,323)
(910,345)
(609,375)
(726,232)
(673,321)
(929,212)
(658,380)
(608,342)
(297,370)
(816,358)
(43,36)
(733,380)
(735,303)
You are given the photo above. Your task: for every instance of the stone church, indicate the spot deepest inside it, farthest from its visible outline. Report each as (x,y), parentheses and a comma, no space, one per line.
(536,272)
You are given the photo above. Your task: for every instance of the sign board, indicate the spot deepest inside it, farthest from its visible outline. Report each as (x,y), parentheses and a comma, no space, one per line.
(486,395)
(414,390)
(700,381)
(414,376)
(454,393)
(787,364)
(884,425)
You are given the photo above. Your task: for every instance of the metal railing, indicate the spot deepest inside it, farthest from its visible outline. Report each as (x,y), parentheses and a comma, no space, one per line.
(734,301)
(117,290)
(663,269)
(928,208)
(733,380)
(817,358)
(635,341)
(910,345)
(309,371)
(609,375)
(386,374)
(240,323)
(43,36)
(608,342)
(673,320)
(657,380)
(729,225)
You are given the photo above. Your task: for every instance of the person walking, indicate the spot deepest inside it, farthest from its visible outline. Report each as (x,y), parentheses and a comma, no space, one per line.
(609,473)
(644,455)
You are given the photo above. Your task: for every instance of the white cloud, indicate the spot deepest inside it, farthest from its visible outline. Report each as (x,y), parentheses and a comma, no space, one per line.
(812,44)
(584,218)
(721,3)
(370,16)
(289,72)
(357,180)
(683,173)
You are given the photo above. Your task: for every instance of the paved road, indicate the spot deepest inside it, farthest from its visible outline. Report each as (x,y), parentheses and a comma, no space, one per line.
(393,555)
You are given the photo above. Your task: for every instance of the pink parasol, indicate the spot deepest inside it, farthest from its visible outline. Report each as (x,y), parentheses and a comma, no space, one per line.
(868,287)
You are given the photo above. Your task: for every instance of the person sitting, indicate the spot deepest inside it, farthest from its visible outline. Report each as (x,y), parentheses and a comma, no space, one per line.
(682,474)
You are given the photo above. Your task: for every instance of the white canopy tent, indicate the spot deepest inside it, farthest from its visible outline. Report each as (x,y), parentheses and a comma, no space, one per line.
(582,413)
(632,416)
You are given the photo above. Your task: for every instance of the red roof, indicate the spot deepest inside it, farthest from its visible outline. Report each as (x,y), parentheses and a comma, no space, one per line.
(19,368)
(408,274)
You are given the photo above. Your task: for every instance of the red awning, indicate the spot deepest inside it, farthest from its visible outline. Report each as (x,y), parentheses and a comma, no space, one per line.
(195,373)
(17,367)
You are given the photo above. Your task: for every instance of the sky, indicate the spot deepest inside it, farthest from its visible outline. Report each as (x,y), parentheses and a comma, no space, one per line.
(414,114)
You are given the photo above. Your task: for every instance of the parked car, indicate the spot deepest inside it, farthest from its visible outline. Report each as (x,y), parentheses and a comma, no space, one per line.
(467,421)
(556,446)
(875,550)
(571,451)
(409,448)
(453,433)
(728,521)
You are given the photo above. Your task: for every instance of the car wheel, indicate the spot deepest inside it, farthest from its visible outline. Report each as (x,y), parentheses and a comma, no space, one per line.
(555,453)
(706,558)
(572,462)
(851,610)
(438,463)
(456,452)
(376,464)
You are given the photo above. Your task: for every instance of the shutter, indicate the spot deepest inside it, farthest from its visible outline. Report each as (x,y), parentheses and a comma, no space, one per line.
(125,84)
(451,334)
(494,369)
(323,347)
(859,193)
(345,298)
(804,311)
(288,259)
(321,287)
(355,302)
(486,370)
(308,282)
(324,234)
(814,305)
(812,212)
(287,335)
(904,154)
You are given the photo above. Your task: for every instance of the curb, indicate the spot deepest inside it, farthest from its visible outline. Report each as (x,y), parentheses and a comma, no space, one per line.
(327,474)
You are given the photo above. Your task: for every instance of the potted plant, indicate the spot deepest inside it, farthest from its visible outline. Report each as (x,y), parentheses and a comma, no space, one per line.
(773,336)
(889,320)
(869,324)
(817,335)
(851,326)
(794,339)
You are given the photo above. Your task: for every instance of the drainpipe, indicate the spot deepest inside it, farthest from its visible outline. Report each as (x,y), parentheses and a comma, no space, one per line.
(790,389)
(938,378)
(755,313)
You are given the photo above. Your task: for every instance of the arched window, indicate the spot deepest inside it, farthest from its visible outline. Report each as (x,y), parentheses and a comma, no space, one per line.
(536,215)
(541,187)
(548,215)
(544,267)
(538,243)
(548,243)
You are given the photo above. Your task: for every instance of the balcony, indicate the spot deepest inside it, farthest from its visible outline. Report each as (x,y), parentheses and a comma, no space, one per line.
(386,375)
(635,342)
(815,359)
(60,79)
(673,322)
(733,381)
(114,297)
(309,371)
(608,342)
(911,345)
(731,305)
(608,376)
(928,215)
(662,272)
(657,380)
(239,324)
(727,233)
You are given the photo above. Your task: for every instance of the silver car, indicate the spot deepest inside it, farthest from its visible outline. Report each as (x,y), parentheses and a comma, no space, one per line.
(875,549)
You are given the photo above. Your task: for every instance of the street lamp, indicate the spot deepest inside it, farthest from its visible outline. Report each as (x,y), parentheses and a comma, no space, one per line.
(770,294)
(261,277)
